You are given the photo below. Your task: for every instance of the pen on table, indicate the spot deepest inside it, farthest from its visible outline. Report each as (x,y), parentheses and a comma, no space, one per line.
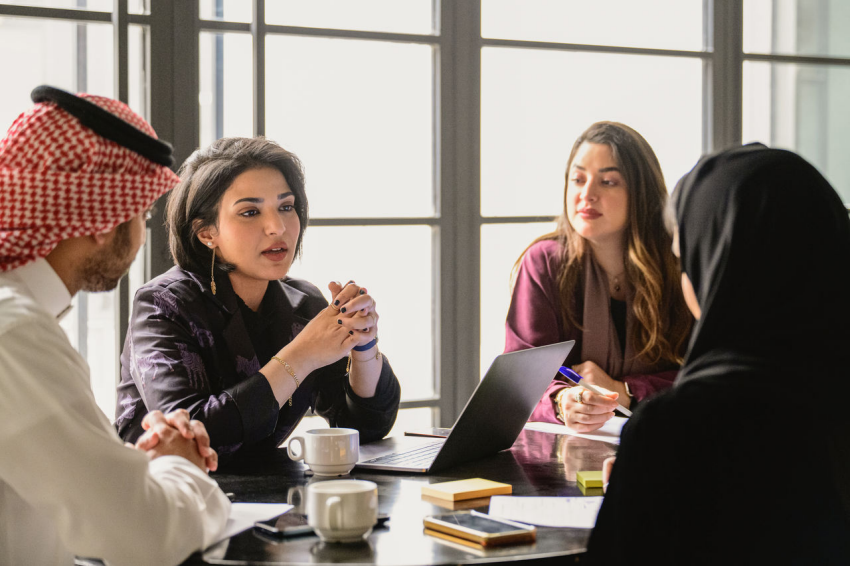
(576,378)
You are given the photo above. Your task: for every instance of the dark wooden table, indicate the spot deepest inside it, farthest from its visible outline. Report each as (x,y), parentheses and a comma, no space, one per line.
(538,464)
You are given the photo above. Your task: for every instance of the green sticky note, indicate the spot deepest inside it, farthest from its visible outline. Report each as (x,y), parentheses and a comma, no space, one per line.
(589,479)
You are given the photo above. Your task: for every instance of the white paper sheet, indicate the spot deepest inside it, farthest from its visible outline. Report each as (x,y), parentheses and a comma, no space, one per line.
(575,512)
(244,515)
(609,432)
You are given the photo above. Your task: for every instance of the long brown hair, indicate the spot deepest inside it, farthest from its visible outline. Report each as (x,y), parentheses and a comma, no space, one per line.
(653,270)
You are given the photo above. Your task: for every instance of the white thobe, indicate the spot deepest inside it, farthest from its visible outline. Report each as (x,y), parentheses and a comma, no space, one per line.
(68,485)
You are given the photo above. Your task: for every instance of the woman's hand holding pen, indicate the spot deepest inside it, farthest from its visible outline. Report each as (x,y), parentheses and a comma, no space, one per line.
(595,375)
(581,409)
(585,411)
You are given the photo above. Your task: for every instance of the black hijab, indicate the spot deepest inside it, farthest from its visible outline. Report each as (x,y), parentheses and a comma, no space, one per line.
(765,241)
(746,460)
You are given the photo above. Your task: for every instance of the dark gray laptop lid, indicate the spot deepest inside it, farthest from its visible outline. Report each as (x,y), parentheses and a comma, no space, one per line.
(501,404)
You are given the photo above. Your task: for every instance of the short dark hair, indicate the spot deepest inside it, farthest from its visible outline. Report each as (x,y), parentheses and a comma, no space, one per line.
(204,178)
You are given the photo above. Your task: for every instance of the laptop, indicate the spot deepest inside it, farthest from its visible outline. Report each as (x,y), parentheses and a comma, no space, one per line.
(491,421)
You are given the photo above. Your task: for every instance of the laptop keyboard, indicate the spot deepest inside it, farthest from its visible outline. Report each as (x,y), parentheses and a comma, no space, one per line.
(420,457)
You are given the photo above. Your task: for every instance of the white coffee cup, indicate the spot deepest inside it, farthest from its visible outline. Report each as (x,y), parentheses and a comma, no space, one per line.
(342,510)
(327,451)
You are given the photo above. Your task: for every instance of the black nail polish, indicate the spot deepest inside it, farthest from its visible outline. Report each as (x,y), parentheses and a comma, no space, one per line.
(362,291)
(336,303)
(342,309)
(339,320)
(351,332)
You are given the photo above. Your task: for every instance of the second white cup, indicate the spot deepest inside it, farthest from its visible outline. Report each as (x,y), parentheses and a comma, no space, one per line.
(327,451)
(342,510)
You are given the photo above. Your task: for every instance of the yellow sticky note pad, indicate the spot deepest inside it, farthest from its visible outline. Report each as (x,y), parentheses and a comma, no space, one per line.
(589,479)
(466,489)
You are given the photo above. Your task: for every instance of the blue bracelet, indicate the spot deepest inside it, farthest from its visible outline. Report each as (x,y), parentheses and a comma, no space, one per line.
(367,346)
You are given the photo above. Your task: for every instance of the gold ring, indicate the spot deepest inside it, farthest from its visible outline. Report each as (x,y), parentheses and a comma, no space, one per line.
(577,397)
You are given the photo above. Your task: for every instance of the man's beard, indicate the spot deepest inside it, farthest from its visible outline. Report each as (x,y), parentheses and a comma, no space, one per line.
(103,271)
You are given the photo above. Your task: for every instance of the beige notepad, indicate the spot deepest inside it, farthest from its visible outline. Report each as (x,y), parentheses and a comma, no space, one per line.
(466,489)
(459,505)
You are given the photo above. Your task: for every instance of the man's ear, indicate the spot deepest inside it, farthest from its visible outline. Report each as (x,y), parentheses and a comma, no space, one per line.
(102,238)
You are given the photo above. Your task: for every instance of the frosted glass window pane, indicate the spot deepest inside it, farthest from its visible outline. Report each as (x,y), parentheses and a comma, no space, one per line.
(535,103)
(797,27)
(359,114)
(659,24)
(103,347)
(410,16)
(802,108)
(228,10)
(138,7)
(93,5)
(394,264)
(37,52)
(138,39)
(226,86)
(501,245)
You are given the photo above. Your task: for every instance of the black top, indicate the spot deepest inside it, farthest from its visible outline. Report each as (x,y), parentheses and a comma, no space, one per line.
(703,473)
(258,327)
(618,314)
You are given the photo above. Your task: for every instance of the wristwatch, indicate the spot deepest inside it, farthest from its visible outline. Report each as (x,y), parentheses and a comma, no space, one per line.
(559,396)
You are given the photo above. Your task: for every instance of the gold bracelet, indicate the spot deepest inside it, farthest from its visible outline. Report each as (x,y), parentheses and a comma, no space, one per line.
(291,372)
(348,364)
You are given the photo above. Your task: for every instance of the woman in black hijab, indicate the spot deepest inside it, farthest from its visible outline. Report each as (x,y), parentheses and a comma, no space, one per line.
(747,458)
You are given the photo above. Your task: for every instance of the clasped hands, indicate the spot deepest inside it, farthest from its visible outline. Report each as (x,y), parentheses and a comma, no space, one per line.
(350,320)
(176,434)
(594,410)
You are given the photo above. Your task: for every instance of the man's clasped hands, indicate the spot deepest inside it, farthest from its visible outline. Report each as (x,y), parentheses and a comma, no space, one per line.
(176,434)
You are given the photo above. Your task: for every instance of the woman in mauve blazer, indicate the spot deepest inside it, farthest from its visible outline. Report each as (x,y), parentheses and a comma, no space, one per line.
(226,335)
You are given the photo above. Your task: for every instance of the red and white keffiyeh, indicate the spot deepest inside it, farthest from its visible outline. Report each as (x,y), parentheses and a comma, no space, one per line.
(59,180)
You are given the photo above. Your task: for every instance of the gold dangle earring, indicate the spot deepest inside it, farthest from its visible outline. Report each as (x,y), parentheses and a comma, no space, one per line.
(212,269)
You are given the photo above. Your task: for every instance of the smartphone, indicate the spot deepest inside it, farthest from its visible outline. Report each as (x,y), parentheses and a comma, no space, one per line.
(481,528)
(287,525)
(291,525)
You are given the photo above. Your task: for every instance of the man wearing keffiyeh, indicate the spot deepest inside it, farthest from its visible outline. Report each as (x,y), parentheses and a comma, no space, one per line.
(77,177)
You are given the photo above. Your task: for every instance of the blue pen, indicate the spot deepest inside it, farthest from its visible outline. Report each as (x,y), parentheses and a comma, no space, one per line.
(575,378)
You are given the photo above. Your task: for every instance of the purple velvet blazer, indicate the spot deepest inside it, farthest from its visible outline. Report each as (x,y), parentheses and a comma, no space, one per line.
(187,348)
(534,319)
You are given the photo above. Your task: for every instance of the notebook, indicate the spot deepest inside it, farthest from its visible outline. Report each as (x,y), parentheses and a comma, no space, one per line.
(490,422)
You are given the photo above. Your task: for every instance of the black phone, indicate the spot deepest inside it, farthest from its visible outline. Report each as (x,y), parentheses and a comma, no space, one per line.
(480,528)
(295,524)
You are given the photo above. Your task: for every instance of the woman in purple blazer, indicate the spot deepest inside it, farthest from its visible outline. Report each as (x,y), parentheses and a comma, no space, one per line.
(228,336)
(605,278)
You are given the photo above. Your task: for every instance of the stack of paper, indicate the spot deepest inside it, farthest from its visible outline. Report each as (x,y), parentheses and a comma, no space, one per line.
(575,512)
